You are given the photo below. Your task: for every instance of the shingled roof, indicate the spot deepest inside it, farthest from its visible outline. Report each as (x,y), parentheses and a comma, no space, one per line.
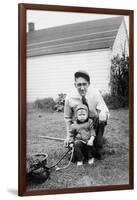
(89,35)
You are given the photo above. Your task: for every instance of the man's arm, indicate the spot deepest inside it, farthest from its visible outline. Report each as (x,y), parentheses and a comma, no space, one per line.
(101,107)
(92,133)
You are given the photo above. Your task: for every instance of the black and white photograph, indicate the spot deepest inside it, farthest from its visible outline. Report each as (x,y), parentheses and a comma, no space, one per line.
(77,101)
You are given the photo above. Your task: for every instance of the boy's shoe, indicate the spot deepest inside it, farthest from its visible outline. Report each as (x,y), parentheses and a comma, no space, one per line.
(79,163)
(91,161)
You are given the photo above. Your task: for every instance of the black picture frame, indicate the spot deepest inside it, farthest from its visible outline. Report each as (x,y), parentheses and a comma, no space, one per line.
(23,106)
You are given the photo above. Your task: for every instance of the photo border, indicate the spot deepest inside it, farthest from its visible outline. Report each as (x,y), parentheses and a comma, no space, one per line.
(22,10)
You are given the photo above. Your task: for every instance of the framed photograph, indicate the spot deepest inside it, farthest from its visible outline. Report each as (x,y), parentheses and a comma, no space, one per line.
(75,99)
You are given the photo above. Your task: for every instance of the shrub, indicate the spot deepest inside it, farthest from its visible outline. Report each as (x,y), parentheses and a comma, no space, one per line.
(60,101)
(118,82)
(119,76)
(46,104)
(31,107)
(115,102)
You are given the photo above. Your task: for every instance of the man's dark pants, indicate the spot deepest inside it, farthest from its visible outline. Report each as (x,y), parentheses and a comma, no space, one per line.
(99,127)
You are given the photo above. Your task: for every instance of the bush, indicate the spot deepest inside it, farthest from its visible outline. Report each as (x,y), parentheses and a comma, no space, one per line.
(60,101)
(31,107)
(118,82)
(46,104)
(119,76)
(115,102)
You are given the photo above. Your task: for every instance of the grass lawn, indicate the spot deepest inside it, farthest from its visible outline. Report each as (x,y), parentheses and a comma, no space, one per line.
(111,170)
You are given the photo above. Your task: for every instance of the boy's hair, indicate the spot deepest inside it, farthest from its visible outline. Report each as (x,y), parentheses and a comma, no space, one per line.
(81,106)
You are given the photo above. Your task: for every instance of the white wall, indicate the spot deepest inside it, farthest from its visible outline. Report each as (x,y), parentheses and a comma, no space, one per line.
(47,76)
(9,100)
(121,41)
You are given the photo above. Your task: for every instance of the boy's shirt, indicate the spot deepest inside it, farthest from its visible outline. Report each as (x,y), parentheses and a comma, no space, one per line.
(82,131)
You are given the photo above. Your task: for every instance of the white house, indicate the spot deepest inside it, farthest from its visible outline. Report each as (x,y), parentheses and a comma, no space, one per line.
(54,54)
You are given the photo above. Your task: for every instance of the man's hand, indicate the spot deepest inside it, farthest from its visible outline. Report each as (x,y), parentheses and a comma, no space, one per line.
(66,142)
(102,116)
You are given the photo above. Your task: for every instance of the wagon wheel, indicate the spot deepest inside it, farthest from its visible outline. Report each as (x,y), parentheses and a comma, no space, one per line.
(36,170)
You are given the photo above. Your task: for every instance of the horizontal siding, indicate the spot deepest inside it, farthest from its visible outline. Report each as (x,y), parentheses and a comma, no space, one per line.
(120,41)
(50,75)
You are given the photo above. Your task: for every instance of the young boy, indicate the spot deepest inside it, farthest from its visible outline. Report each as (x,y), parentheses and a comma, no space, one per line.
(82,136)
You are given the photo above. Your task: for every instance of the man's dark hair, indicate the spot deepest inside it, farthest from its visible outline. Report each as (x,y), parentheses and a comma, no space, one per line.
(82,74)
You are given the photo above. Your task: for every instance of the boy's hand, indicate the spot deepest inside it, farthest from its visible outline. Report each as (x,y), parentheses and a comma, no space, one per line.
(90,141)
